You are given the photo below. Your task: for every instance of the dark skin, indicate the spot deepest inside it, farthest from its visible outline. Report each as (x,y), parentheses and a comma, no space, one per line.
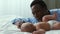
(38,12)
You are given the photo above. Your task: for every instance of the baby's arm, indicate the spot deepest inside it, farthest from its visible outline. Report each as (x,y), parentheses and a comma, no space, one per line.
(49,17)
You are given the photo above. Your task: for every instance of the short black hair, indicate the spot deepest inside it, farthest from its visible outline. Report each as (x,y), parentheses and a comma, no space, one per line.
(40,2)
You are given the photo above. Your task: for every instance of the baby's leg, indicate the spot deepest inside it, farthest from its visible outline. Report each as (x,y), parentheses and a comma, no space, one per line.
(40,31)
(56,26)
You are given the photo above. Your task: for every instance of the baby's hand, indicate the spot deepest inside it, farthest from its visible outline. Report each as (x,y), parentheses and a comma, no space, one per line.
(49,17)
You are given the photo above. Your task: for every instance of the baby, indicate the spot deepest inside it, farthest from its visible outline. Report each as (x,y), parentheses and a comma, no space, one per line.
(45,24)
(49,24)
(29,27)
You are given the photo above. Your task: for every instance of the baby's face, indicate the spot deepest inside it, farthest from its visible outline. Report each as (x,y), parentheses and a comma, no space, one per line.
(18,24)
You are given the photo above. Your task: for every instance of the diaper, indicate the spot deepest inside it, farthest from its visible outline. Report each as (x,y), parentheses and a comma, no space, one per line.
(51,22)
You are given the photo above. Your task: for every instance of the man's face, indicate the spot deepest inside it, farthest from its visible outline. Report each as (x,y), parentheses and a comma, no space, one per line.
(37,12)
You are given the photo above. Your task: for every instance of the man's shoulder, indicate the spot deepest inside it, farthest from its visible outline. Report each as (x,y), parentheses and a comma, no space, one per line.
(29,19)
(55,10)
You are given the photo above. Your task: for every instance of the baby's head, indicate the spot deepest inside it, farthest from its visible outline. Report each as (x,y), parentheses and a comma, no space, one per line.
(27,27)
(43,25)
(40,31)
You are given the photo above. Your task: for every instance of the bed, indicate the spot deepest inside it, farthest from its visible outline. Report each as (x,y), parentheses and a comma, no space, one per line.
(9,28)
(17,32)
(6,26)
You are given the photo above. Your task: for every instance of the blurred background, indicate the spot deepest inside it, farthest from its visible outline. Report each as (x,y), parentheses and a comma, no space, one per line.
(22,7)
(52,4)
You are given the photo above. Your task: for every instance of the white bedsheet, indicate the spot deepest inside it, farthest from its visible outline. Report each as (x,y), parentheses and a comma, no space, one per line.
(53,32)
(13,32)
(5,22)
(18,32)
(6,27)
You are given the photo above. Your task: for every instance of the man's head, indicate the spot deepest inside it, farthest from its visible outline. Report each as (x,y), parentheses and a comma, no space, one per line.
(39,9)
